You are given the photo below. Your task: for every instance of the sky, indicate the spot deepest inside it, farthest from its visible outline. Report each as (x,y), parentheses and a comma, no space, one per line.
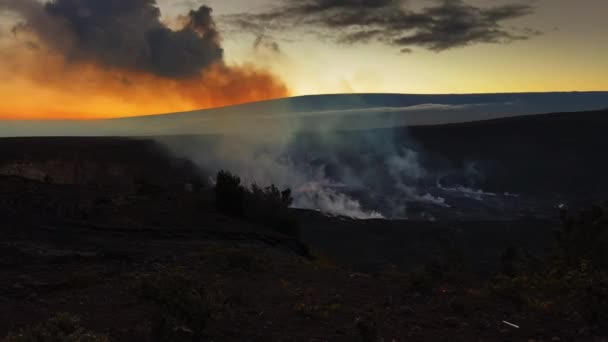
(85,59)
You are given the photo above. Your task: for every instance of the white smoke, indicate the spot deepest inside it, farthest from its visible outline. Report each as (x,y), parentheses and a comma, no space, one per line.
(265,160)
(384,172)
(406,171)
(319,197)
(475,194)
(263,144)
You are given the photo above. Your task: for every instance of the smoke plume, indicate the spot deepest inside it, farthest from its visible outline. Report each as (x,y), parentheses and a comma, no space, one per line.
(91,58)
(347,155)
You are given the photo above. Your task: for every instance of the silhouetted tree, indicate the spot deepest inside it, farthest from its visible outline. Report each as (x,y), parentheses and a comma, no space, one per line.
(268,206)
(230,194)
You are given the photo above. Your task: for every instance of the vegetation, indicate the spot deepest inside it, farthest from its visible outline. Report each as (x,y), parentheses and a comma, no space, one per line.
(575,276)
(581,262)
(268,206)
(61,328)
(583,239)
(184,305)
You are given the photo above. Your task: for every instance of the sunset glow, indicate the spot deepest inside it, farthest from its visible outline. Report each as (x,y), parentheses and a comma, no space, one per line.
(56,65)
(45,87)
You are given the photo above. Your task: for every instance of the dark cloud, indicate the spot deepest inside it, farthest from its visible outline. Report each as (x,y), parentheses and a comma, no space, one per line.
(444,25)
(125,34)
(266,43)
(453,23)
(316,6)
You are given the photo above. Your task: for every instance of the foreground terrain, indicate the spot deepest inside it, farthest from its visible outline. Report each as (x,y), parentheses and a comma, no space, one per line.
(112,239)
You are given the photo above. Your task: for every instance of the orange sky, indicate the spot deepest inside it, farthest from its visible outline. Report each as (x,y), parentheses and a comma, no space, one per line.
(569,55)
(41,85)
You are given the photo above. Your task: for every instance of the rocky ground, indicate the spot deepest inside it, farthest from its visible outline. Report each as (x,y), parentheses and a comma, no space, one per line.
(153,260)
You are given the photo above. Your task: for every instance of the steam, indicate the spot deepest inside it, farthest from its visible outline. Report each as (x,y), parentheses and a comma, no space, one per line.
(269,159)
(321,197)
(476,194)
(341,161)
(353,173)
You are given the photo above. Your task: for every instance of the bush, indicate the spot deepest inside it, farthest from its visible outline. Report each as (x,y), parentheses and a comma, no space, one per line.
(584,239)
(268,206)
(61,328)
(575,277)
(184,308)
(230,194)
(516,260)
(515,290)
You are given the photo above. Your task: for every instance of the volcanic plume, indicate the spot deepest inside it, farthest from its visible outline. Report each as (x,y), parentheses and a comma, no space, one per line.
(92,59)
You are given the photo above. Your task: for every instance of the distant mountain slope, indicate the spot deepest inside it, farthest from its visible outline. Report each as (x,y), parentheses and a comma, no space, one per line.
(553,153)
(496,169)
(333,112)
(539,102)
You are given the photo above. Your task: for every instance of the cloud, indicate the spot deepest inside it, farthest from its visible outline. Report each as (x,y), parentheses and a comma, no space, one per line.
(266,43)
(112,58)
(444,25)
(126,34)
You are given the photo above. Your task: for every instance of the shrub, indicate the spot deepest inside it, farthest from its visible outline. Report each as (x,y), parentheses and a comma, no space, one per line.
(230,194)
(589,289)
(516,260)
(61,328)
(576,276)
(268,206)
(584,238)
(184,308)
(515,289)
